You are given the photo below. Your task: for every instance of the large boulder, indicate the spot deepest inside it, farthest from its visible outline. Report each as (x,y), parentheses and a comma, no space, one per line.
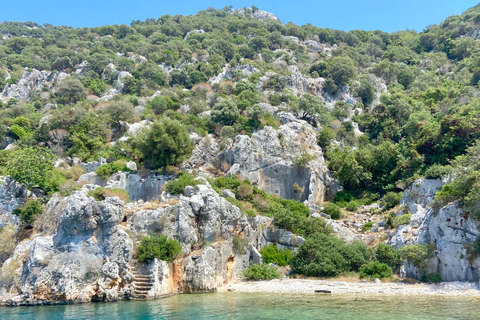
(449,232)
(87,249)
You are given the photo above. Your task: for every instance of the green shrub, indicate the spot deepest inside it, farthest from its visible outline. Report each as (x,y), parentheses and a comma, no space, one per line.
(31,166)
(105,171)
(352,206)
(437,171)
(261,272)
(295,206)
(244,190)
(400,220)
(392,199)
(230,183)
(96,194)
(177,186)
(323,255)
(416,254)
(375,269)
(250,213)
(239,244)
(342,198)
(159,247)
(387,254)
(28,211)
(367,226)
(431,277)
(333,211)
(272,253)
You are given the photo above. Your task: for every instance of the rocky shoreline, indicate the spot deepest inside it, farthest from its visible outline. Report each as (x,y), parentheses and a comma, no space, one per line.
(302,286)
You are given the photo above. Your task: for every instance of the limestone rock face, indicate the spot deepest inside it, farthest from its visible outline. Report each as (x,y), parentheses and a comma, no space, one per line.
(450,231)
(83,249)
(88,253)
(257,14)
(12,195)
(272,159)
(29,82)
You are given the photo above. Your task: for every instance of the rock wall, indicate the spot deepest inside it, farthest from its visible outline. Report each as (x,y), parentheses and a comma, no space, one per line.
(12,195)
(83,250)
(450,231)
(272,160)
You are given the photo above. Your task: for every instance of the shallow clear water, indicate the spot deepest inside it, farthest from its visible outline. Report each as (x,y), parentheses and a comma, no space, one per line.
(233,305)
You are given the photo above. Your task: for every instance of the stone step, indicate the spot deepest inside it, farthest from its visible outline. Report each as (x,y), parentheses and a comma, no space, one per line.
(143,286)
(143,281)
(141,276)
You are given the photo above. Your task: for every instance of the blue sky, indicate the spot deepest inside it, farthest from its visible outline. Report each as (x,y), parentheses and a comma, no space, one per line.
(346,15)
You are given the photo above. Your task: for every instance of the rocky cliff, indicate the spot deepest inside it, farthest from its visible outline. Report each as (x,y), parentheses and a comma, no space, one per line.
(84,250)
(286,162)
(448,231)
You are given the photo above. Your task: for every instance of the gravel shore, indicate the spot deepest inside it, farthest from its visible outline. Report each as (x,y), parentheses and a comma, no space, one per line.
(300,286)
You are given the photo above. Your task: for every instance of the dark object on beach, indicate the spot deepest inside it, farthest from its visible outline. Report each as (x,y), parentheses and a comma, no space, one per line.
(323,291)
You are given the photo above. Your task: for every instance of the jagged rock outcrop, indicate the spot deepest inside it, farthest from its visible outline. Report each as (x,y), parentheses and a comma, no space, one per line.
(257,14)
(83,250)
(286,162)
(228,73)
(31,81)
(87,255)
(449,231)
(12,195)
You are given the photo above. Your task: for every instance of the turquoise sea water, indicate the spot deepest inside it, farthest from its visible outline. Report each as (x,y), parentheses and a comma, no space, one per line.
(233,305)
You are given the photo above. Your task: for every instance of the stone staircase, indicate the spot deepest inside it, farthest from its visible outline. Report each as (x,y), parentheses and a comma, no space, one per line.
(141,282)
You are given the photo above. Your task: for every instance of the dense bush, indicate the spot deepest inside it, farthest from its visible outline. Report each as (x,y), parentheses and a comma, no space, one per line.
(431,277)
(105,171)
(367,226)
(165,142)
(28,211)
(374,270)
(333,211)
(261,272)
(400,220)
(387,254)
(159,247)
(183,179)
(31,166)
(416,254)
(392,199)
(327,256)
(272,253)
(437,171)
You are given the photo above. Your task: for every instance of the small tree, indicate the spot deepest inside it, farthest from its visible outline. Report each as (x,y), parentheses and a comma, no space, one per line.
(309,106)
(120,111)
(341,70)
(225,112)
(159,247)
(165,142)
(31,166)
(71,89)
